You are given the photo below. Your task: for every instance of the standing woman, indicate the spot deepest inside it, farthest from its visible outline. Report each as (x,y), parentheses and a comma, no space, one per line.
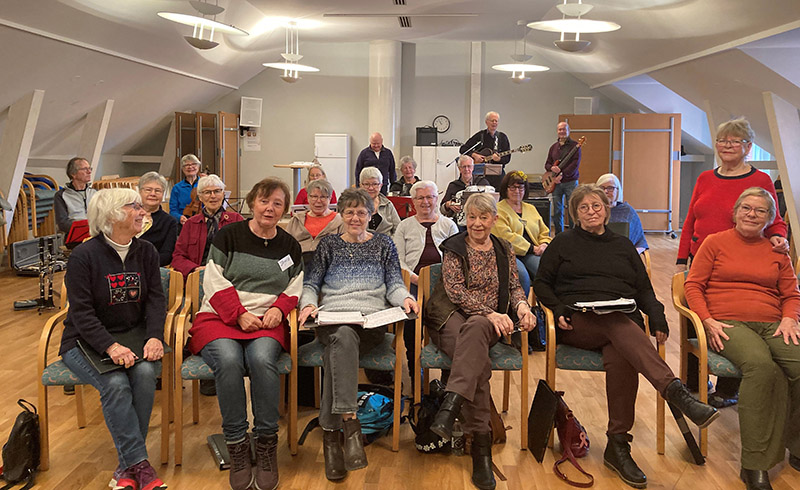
(384,218)
(181,195)
(159,228)
(622,212)
(408,169)
(315,172)
(710,211)
(252,281)
(114,288)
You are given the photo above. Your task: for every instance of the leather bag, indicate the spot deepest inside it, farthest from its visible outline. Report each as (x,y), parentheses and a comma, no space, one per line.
(574,442)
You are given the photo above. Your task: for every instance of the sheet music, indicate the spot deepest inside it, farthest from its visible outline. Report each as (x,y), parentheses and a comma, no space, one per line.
(340,318)
(385,317)
(606,303)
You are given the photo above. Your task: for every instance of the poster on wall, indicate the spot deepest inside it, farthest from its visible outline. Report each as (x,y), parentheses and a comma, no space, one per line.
(251,140)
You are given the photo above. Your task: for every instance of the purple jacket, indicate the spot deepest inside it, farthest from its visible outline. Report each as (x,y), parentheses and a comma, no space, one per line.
(192,241)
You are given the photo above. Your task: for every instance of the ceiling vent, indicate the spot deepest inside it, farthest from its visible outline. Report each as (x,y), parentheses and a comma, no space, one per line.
(405,22)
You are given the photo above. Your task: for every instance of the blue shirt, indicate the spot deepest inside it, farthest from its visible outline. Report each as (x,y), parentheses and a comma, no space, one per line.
(180,197)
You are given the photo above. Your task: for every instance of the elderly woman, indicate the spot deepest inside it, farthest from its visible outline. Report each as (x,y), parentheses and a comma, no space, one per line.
(197,234)
(520,224)
(408,169)
(622,212)
(158,228)
(477,301)
(117,308)
(385,218)
(309,227)
(591,263)
(710,212)
(181,195)
(747,297)
(252,281)
(354,271)
(315,172)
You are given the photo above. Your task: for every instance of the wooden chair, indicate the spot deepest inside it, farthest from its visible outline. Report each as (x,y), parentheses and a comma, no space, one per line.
(696,344)
(56,373)
(504,357)
(570,358)
(194,368)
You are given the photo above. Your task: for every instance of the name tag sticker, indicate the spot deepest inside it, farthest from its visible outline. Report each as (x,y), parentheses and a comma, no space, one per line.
(286,262)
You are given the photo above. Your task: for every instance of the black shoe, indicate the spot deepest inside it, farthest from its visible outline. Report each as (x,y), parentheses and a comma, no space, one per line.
(208,387)
(618,457)
(353,447)
(448,411)
(482,476)
(718,400)
(384,378)
(334,457)
(755,479)
(698,412)
(794,462)
(241,472)
(69,390)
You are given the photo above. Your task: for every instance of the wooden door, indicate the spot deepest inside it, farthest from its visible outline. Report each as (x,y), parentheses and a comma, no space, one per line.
(596,153)
(207,142)
(228,135)
(185,139)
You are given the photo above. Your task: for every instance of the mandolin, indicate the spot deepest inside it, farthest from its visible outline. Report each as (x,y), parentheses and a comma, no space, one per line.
(551,179)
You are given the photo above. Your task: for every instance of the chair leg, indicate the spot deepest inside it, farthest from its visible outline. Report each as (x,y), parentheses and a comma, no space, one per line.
(166,403)
(44,429)
(293,411)
(506,389)
(398,399)
(550,373)
(195,401)
(79,406)
(317,385)
(523,391)
(178,400)
(660,411)
(703,389)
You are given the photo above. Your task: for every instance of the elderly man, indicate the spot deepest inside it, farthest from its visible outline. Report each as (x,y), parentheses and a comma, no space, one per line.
(378,156)
(493,140)
(73,199)
(568,171)
(181,194)
(452,200)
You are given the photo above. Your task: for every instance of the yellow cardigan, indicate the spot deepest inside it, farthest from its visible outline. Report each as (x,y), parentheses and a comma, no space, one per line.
(509,226)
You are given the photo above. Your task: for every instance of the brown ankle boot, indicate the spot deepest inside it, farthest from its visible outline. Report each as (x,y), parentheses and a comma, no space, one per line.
(334,457)
(241,472)
(266,474)
(354,456)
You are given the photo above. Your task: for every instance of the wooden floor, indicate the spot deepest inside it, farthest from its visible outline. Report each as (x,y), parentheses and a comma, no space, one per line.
(85,458)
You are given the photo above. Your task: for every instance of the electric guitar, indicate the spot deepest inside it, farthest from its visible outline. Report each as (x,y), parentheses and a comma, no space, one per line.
(487,152)
(550,179)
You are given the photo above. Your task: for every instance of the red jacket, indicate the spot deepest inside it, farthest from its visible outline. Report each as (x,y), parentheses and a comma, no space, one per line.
(192,241)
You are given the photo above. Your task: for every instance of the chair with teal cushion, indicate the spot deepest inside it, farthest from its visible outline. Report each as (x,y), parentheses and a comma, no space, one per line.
(193,368)
(504,357)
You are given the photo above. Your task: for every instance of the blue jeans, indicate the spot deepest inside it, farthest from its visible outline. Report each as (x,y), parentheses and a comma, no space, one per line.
(562,192)
(527,265)
(126,396)
(231,360)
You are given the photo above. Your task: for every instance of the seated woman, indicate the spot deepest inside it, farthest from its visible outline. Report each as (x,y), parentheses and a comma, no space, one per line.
(315,172)
(102,310)
(252,281)
(197,234)
(309,227)
(622,212)
(408,169)
(746,295)
(385,218)
(477,301)
(159,227)
(520,224)
(591,263)
(354,271)
(417,240)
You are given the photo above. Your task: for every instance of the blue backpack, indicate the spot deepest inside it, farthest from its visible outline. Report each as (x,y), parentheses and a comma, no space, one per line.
(375,411)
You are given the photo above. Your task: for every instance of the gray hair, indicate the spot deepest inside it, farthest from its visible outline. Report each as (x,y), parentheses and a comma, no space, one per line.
(189,158)
(482,202)
(210,180)
(464,158)
(353,198)
(153,177)
(606,178)
(105,208)
(490,113)
(738,127)
(580,193)
(370,173)
(757,192)
(321,185)
(72,163)
(423,184)
(408,159)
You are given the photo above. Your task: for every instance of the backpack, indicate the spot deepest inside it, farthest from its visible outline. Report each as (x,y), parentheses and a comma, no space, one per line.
(421,417)
(375,411)
(21,452)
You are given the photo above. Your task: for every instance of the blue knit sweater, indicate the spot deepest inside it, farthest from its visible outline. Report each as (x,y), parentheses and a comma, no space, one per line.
(624,213)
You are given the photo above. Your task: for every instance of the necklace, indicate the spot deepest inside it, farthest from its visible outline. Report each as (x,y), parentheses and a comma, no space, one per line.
(265,238)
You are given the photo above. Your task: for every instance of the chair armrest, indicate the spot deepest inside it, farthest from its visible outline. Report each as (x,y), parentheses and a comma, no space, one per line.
(44,339)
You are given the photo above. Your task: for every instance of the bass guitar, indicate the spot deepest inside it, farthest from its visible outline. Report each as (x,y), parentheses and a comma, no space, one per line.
(551,179)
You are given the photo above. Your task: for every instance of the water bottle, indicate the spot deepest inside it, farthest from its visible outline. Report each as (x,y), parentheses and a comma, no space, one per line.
(458,439)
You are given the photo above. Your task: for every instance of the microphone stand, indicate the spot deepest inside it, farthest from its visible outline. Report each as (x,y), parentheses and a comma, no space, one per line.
(465,153)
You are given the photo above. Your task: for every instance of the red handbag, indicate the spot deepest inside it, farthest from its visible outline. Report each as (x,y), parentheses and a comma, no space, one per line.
(574,442)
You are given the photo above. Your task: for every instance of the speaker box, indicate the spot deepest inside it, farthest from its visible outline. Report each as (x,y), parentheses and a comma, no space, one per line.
(542,204)
(427,136)
(250,112)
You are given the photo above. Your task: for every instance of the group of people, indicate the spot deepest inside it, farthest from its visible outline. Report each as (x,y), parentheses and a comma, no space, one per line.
(352,258)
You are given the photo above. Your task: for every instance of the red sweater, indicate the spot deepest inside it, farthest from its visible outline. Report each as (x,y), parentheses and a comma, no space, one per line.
(711,208)
(736,278)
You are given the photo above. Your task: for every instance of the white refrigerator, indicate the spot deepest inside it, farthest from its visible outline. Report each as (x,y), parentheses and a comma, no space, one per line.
(333,152)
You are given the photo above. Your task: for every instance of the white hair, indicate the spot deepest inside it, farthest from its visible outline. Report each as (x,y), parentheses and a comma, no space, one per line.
(189,158)
(209,181)
(370,173)
(423,184)
(153,177)
(105,208)
(606,178)
(490,113)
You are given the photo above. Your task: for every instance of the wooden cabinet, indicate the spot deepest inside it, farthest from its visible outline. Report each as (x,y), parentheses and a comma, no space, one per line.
(214,138)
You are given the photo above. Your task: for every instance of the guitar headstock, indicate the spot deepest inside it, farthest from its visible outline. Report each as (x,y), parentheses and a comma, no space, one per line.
(524,148)
(581,141)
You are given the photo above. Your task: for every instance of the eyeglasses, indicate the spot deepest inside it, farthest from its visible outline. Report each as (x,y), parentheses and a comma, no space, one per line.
(212,192)
(370,185)
(467,167)
(608,188)
(135,206)
(152,190)
(595,206)
(733,143)
(187,165)
(314,197)
(760,212)
(349,213)
(517,187)
(84,169)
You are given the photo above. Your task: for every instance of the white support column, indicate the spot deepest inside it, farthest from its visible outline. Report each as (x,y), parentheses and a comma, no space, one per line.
(94,133)
(475,74)
(712,127)
(784,126)
(15,146)
(385,58)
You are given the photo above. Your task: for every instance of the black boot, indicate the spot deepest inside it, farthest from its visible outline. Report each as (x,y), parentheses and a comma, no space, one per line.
(618,457)
(794,462)
(334,457)
(698,412)
(442,424)
(482,476)
(354,456)
(755,479)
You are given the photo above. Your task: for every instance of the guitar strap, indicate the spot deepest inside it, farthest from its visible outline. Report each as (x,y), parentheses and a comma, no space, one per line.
(495,141)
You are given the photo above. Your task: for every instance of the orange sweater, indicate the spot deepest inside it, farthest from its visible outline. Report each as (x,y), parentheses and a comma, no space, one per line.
(735,278)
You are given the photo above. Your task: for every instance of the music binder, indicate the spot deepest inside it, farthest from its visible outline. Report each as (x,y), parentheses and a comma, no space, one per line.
(541,419)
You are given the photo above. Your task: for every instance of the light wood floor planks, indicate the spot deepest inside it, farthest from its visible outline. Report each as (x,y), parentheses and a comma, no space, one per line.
(85,458)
